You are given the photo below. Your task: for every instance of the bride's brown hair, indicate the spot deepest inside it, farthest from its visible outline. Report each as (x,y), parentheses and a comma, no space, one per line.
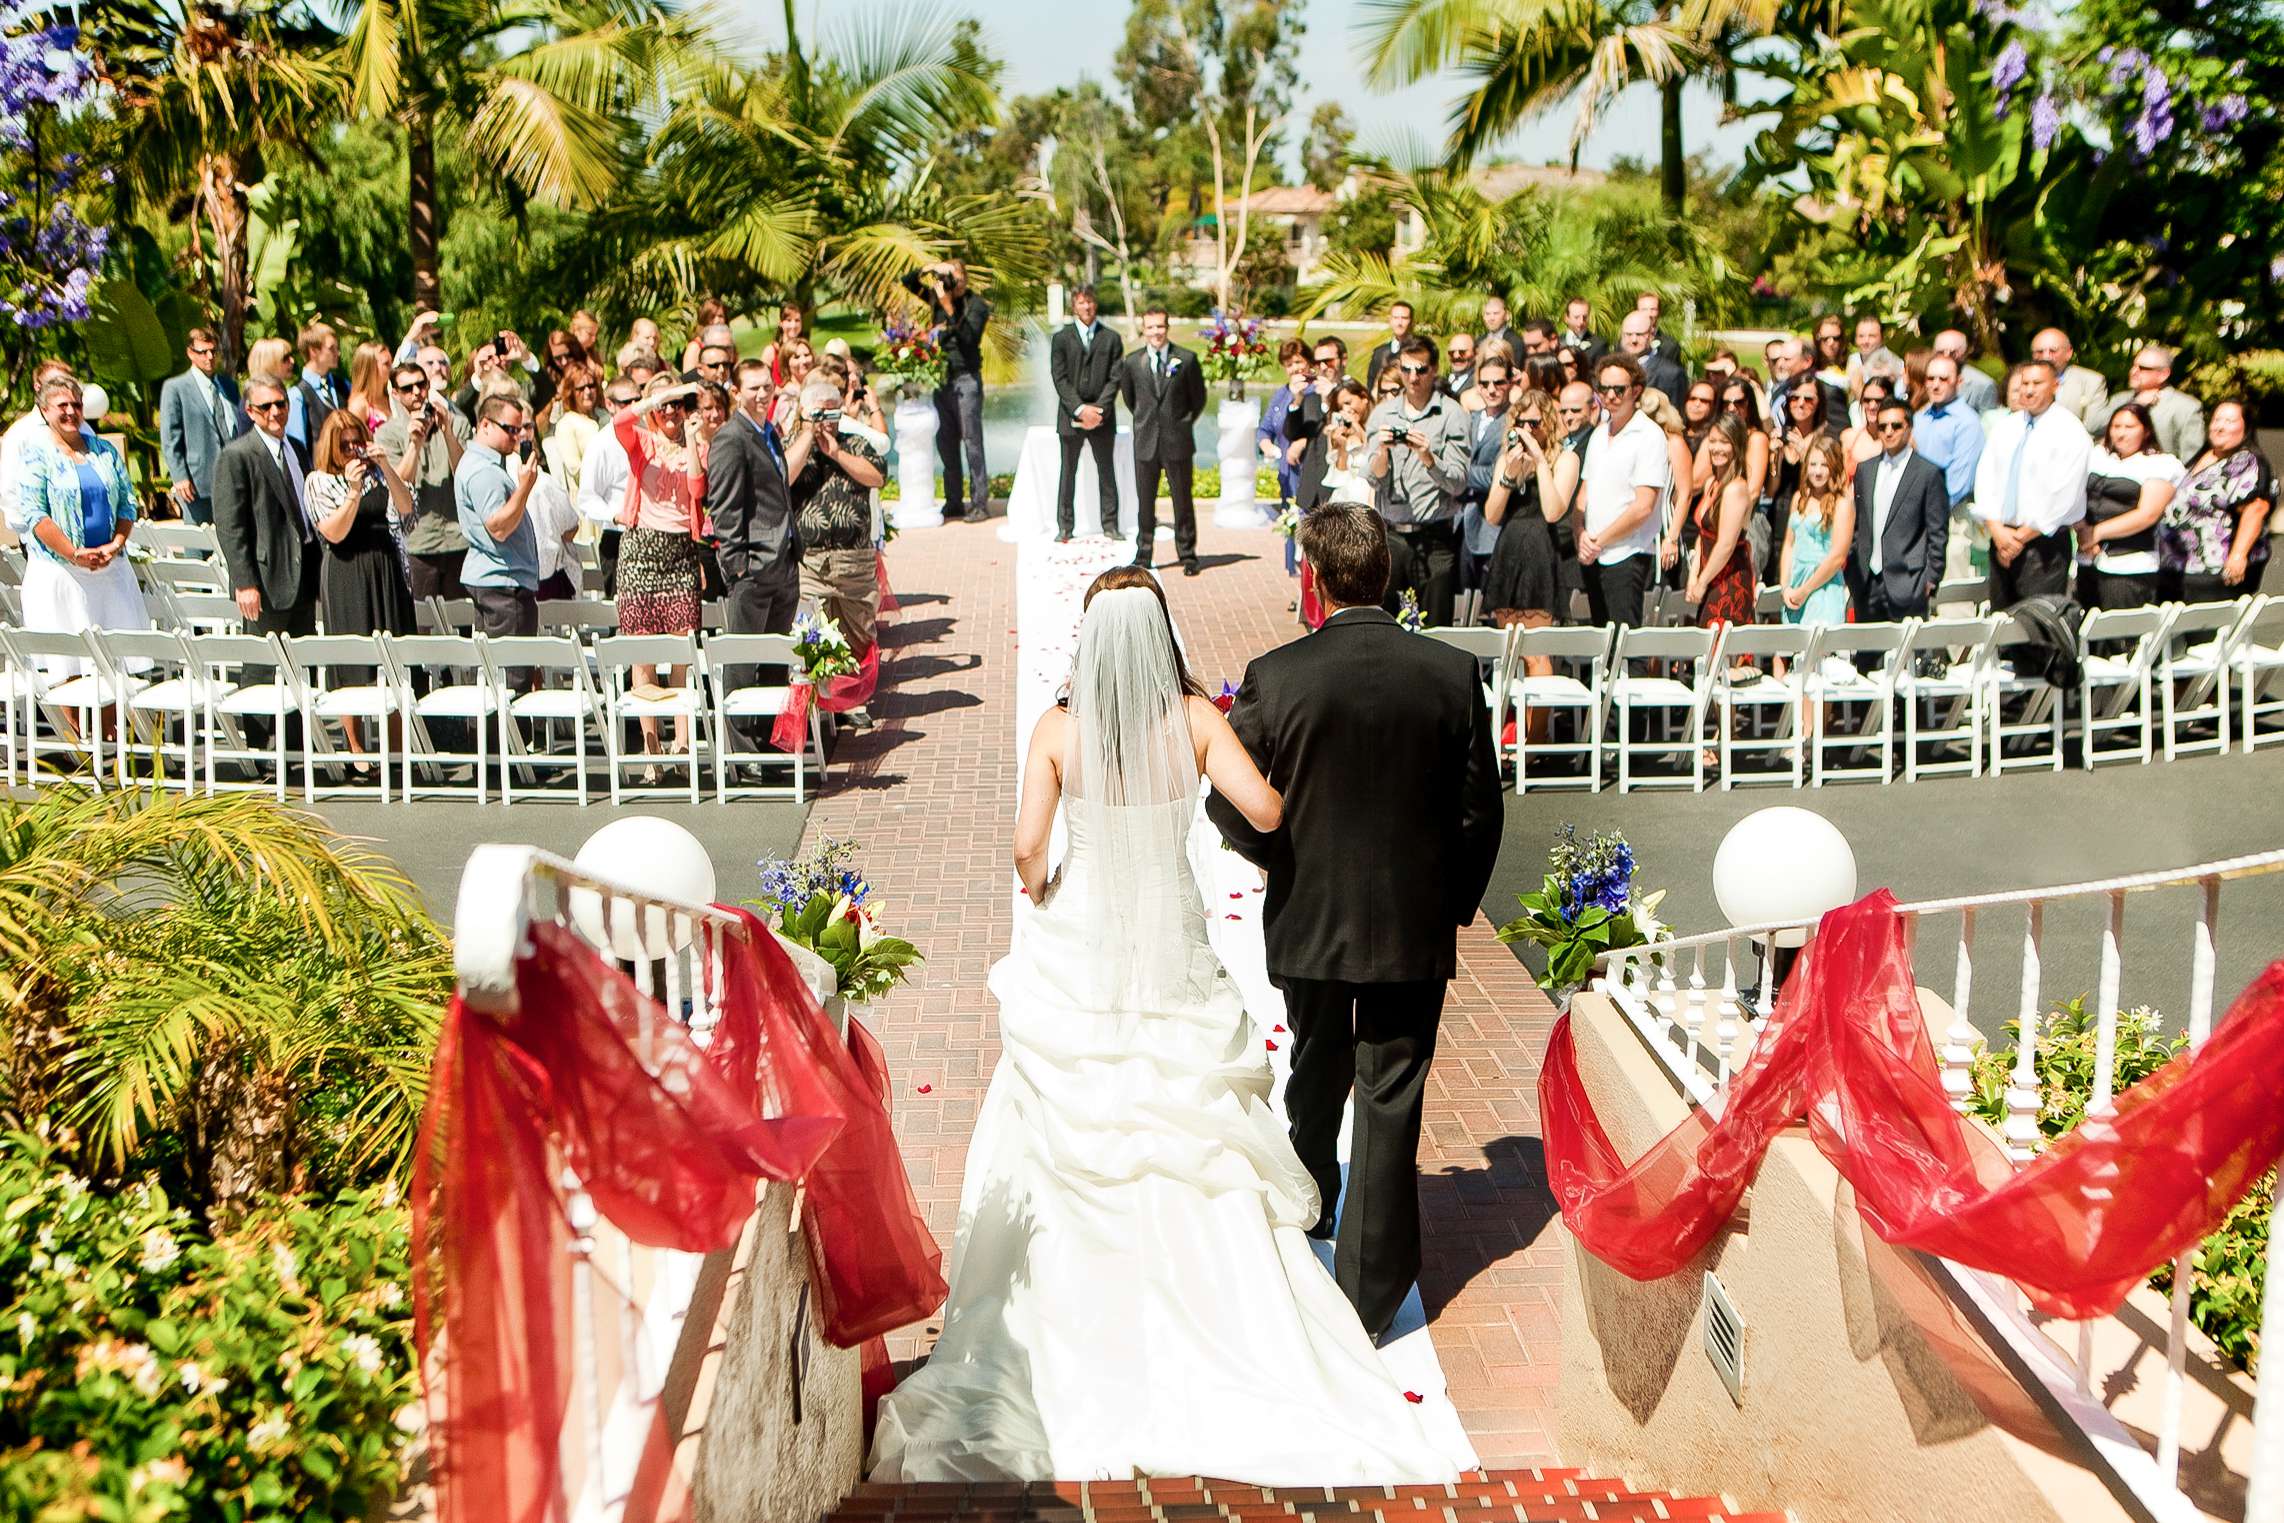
(1118,578)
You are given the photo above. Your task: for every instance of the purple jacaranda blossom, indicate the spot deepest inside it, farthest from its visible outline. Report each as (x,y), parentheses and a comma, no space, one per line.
(2045,122)
(2008,71)
(2125,63)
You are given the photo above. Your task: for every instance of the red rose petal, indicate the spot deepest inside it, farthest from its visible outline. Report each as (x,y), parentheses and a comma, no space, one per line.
(1236,896)
(1019,888)
(1272,1046)
(924,1088)
(1233,917)
(1414,1397)
(1280,1031)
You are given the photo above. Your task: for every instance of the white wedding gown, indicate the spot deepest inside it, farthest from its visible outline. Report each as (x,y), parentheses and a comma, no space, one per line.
(1132,1290)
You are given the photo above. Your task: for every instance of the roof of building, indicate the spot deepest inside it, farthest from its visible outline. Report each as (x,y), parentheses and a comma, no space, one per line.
(1290,201)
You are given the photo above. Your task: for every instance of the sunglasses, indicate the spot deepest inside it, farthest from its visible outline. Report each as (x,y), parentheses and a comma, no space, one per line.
(1804,399)
(277,406)
(1491,380)
(1568,409)
(1892,428)
(1534,420)
(412,388)
(201,354)
(1701,396)
(672,407)
(1327,361)
(1618,390)
(1417,369)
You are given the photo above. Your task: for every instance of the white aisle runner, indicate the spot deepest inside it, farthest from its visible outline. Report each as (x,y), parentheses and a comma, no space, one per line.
(1050,585)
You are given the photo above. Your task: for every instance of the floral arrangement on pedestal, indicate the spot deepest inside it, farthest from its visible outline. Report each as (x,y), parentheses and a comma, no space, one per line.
(1587,906)
(823,649)
(912,356)
(1233,346)
(822,902)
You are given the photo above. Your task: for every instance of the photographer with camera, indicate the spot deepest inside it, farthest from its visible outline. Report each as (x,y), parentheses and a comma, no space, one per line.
(1418,466)
(960,316)
(835,471)
(423,439)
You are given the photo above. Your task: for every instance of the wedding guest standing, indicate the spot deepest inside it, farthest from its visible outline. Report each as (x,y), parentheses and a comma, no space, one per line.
(1720,569)
(2030,488)
(262,523)
(1819,526)
(1902,525)
(74,507)
(423,440)
(358,504)
(1165,392)
(2129,484)
(835,471)
(959,315)
(2213,542)
(1626,478)
(1418,465)
(198,417)
(1522,586)
(658,580)
(1293,355)
(1083,361)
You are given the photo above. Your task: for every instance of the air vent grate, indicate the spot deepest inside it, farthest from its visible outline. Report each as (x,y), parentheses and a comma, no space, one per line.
(1725,1338)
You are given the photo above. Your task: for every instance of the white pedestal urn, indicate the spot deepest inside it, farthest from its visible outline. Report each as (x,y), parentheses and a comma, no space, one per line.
(1237,508)
(917,506)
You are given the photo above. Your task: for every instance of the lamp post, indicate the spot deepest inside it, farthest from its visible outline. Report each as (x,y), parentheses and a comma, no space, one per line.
(1782,866)
(650,856)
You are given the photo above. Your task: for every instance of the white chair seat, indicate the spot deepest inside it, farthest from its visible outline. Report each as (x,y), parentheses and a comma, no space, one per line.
(1840,672)
(683,702)
(94,690)
(551,703)
(1955,681)
(1551,691)
(1652,692)
(1769,689)
(176,695)
(746,702)
(463,702)
(355,703)
(2197,660)
(259,698)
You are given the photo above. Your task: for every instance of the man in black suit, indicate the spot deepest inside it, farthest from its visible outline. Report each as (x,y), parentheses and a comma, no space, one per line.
(1165,392)
(1903,523)
(749,495)
(1399,329)
(1083,360)
(1369,882)
(262,523)
(1495,328)
(1577,314)
(1637,336)
(1304,421)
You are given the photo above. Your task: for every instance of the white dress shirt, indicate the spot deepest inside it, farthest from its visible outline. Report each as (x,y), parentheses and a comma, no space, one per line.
(603,478)
(2048,490)
(1885,483)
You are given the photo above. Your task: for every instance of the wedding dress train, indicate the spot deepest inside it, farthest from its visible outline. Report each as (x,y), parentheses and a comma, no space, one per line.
(1133,1291)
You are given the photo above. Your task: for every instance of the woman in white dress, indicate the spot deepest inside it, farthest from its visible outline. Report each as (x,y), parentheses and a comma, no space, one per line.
(1133,1291)
(1345,446)
(74,509)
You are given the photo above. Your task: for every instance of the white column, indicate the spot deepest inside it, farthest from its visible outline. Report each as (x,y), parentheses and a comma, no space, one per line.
(917,506)
(1237,508)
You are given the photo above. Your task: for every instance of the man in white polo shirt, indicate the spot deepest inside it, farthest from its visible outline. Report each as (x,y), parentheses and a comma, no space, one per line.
(1625,484)
(2030,488)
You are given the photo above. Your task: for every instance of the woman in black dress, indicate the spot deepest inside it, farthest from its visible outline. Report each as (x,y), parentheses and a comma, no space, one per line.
(2129,484)
(357,502)
(1522,585)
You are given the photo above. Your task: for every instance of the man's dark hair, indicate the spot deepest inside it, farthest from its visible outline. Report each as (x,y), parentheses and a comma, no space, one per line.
(1618,361)
(1539,327)
(1348,546)
(1339,345)
(2038,365)
(1157,311)
(1392,306)
(1893,404)
(1084,288)
(493,408)
(399,372)
(751,367)
(201,336)
(1416,348)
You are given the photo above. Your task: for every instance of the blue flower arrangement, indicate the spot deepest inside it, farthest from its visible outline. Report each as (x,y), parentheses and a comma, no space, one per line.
(1586,906)
(822,902)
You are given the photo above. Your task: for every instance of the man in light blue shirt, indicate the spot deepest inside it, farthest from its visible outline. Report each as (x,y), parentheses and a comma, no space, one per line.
(501,572)
(320,390)
(1947,431)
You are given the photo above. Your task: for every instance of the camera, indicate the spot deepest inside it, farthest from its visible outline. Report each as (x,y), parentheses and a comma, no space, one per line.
(829,416)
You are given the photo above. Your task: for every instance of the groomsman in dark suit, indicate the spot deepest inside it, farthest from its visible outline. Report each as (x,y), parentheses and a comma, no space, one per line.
(259,517)
(1903,525)
(1083,360)
(1384,355)
(1165,392)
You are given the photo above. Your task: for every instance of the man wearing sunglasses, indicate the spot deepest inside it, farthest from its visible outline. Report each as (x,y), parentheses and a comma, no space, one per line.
(423,438)
(1903,524)
(198,417)
(1418,467)
(262,521)
(1625,480)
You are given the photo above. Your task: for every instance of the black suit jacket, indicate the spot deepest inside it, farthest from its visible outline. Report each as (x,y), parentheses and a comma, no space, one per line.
(1163,414)
(1665,373)
(1381,745)
(258,521)
(1306,422)
(1381,357)
(1085,373)
(751,502)
(1918,532)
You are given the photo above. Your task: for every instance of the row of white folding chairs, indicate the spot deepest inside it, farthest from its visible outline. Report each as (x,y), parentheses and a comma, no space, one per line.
(180,701)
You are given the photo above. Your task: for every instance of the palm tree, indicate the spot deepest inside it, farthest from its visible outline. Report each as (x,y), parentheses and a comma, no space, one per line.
(1524,57)
(542,93)
(204,89)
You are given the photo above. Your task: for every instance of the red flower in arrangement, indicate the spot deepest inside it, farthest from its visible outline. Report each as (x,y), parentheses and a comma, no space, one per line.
(1232,917)
(1280,1031)
(1414,1397)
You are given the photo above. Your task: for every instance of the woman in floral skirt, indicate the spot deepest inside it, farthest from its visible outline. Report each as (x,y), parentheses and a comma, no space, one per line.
(658,575)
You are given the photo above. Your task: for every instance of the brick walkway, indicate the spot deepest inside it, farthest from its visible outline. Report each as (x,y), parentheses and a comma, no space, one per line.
(927,794)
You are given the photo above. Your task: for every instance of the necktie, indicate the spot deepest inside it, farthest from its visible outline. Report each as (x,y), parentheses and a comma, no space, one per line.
(290,468)
(1158,360)
(221,406)
(1086,340)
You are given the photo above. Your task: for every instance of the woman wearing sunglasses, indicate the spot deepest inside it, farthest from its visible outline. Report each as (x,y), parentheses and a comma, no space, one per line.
(658,572)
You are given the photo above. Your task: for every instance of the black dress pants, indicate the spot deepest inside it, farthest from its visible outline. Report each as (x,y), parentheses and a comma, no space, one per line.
(1177,474)
(1102,440)
(2043,566)
(1424,562)
(761,602)
(1379,1040)
(1614,589)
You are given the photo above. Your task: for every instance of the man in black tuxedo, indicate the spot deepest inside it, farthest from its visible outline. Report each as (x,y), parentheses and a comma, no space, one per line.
(262,523)
(1577,314)
(1083,360)
(1399,329)
(1903,523)
(1165,392)
(1381,745)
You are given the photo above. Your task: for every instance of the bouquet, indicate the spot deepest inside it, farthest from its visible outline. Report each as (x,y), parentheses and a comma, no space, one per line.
(1233,346)
(820,901)
(912,356)
(1408,612)
(1586,907)
(823,649)
(1288,524)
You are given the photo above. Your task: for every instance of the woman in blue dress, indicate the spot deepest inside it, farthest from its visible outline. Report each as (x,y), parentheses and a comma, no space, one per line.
(1817,533)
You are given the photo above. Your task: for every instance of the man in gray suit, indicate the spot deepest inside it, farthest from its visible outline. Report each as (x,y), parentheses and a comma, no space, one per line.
(1165,392)
(198,416)
(1083,360)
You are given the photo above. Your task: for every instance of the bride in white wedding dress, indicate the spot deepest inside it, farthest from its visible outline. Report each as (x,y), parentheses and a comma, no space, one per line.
(1132,1289)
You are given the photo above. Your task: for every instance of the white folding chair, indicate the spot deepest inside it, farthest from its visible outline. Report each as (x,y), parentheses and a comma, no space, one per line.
(578,617)
(329,697)
(713,615)
(71,684)
(11,566)
(204,613)
(768,660)
(187,576)
(572,700)
(453,615)
(1942,678)
(1838,683)
(169,690)
(1766,698)
(1668,696)
(11,606)
(1965,595)
(2256,654)
(444,677)
(2192,675)
(1493,650)
(615,661)
(241,678)
(2008,680)
(2114,682)
(178,537)
(1582,647)
(19,685)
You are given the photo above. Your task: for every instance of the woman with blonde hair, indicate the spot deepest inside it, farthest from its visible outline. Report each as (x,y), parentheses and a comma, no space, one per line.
(270,359)
(1818,529)
(357,504)
(369,384)
(1674,539)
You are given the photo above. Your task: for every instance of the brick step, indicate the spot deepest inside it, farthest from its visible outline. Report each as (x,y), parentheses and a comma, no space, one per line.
(1499,1496)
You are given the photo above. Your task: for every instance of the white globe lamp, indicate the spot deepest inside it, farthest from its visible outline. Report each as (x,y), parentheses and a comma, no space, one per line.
(652,856)
(94,402)
(1783,864)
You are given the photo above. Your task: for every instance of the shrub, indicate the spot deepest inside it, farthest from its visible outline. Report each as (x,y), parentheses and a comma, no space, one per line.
(150,1370)
(2228,1271)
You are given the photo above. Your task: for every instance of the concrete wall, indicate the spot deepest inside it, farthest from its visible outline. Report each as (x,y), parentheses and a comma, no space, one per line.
(1866,1394)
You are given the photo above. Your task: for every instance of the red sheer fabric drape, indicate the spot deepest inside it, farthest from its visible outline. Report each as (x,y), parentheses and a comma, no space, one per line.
(888,603)
(1847,1052)
(671,1140)
(835,695)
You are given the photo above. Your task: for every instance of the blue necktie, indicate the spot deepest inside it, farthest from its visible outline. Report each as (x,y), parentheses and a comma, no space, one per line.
(2014,472)
(770,442)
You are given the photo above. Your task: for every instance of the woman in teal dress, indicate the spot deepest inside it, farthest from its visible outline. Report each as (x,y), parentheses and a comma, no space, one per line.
(1816,536)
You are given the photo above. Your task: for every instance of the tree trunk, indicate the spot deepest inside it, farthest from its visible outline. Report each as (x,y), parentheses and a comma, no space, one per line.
(224,200)
(1673,182)
(420,210)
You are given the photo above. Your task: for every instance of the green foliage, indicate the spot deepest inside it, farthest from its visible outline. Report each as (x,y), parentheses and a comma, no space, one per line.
(2229,1269)
(1363,225)
(148,1369)
(1572,940)
(868,963)
(125,339)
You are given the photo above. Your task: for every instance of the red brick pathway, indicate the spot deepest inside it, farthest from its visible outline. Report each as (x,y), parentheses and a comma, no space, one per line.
(927,794)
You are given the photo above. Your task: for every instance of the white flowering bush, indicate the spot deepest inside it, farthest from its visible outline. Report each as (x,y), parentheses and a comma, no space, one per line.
(151,1369)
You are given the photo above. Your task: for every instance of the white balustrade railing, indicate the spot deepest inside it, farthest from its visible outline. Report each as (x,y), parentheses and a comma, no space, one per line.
(1704,1034)
(673,951)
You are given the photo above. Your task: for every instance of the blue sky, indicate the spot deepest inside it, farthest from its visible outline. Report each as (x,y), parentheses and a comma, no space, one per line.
(1045,45)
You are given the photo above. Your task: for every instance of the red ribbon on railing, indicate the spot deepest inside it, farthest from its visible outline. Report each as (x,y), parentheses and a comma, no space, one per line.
(671,1140)
(1847,1051)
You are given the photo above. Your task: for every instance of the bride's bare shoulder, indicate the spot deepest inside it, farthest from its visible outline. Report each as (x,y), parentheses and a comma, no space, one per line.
(1051,728)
